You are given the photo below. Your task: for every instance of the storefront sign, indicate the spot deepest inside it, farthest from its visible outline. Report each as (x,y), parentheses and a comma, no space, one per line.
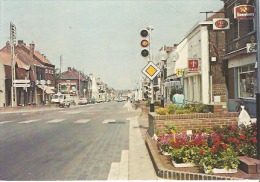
(244,12)
(193,65)
(179,72)
(221,24)
(251,47)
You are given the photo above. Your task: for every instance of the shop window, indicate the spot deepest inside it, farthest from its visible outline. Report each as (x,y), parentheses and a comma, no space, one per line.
(247,81)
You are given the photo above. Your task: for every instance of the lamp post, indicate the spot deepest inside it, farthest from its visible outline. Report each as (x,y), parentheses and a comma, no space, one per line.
(163,57)
(166,57)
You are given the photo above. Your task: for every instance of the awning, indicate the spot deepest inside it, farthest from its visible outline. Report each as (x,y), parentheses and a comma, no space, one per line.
(47,89)
(172,83)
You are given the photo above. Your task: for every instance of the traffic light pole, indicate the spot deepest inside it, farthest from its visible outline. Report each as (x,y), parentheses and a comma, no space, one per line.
(150,28)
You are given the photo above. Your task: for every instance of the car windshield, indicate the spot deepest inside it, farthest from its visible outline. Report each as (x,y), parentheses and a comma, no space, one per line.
(55,97)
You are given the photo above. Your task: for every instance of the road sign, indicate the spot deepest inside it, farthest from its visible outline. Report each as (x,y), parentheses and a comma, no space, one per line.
(22,85)
(21,81)
(151,70)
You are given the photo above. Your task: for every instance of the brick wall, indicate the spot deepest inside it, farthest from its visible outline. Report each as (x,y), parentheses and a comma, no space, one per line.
(220,117)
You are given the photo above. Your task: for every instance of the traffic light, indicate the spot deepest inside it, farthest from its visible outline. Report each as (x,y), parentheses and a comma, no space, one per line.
(145,42)
(149,92)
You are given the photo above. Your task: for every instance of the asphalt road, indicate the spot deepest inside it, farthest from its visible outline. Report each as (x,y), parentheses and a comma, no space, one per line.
(77,143)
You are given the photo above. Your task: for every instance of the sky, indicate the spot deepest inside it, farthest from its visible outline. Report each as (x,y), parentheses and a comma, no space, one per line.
(101,37)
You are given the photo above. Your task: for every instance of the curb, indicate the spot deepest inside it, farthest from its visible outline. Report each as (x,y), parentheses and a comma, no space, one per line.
(179,175)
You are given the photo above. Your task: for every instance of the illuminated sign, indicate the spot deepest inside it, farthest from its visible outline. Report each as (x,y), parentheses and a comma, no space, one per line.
(244,12)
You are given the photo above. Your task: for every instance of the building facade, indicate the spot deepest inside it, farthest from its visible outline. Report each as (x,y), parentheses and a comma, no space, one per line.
(240,58)
(30,65)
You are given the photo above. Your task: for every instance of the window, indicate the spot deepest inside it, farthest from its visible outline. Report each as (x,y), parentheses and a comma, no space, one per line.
(247,81)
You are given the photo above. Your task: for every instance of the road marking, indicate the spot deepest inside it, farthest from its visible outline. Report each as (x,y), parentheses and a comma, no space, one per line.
(109,121)
(29,121)
(55,121)
(82,121)
(73,112)
(6,122)
(114,171)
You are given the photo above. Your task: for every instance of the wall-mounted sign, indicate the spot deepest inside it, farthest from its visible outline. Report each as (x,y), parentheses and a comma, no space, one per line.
(179,72)
(251,47)
(221,24)
(193,65)
(244,12)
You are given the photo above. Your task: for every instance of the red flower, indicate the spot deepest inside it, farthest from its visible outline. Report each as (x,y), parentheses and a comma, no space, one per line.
(202,152)
(254,133)
(225,146)
(235,140)
(213,150)
(230,139)
(242,137)
(253,139)
(234,128)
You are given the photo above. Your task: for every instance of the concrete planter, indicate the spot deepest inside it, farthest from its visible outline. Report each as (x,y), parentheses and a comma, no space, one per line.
(220,171)
(187,164)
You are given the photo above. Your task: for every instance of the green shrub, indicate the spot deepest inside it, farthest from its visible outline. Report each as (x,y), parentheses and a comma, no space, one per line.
(161,111)
(171,108)
(182,111)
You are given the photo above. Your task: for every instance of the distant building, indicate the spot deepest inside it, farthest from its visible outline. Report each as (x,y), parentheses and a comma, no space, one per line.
(73,82)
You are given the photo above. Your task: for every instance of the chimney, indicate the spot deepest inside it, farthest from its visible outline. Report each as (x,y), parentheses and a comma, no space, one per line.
(69,68)
(20,42)
(32,46)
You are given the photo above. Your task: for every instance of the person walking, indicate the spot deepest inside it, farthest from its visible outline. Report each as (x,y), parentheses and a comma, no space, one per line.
(178,98)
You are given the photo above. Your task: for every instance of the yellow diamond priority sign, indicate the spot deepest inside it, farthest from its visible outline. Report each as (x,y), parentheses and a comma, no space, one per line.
(151,70)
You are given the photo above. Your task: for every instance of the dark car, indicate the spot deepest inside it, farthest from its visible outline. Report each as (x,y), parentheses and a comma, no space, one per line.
(91,101)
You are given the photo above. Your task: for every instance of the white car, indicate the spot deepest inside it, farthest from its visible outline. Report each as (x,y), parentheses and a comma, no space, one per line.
(83,101)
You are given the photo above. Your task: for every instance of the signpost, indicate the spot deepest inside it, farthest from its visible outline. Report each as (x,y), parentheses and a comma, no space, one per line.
(151,70)
(22,84)
(21,81)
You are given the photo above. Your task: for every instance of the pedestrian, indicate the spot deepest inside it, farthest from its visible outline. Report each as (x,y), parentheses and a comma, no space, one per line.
(178,98)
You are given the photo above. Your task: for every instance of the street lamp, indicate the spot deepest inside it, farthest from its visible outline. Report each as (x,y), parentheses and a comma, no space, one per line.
(166,57)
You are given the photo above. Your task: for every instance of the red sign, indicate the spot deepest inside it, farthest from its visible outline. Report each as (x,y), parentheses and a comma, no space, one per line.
(193,65)
(244,12)
(220,23)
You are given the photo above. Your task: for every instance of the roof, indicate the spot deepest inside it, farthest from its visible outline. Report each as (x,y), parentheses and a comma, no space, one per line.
(72,75)
(5,58)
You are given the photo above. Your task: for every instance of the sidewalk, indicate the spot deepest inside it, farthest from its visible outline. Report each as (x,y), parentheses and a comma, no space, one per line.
(140,164)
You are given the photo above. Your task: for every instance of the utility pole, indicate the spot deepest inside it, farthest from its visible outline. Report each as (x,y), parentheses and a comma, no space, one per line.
(258,76)
(60,74)
(12,40)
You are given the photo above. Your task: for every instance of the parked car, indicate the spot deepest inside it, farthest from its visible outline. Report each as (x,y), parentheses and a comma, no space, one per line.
(65,101)
(119,100)
(99,100)
(83,101)
(92,101)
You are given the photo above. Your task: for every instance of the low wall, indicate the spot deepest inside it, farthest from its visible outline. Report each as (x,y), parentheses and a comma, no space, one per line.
(157,123)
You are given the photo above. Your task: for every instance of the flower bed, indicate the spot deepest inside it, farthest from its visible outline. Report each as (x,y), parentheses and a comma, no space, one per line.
(214,149)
